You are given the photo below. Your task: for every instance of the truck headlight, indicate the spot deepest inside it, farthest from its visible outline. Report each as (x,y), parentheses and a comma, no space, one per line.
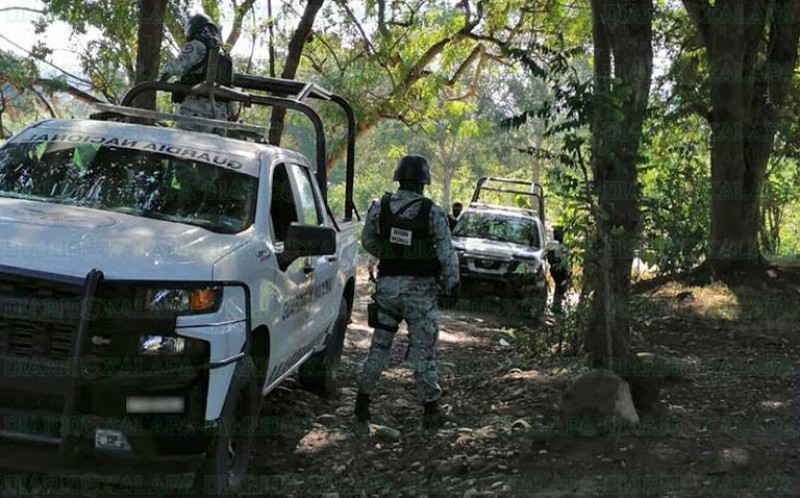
(183,301)
(169,346)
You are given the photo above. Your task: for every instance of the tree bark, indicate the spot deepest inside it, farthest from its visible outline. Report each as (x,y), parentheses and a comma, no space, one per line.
(622,32)
(447,179)
(296,45)
(751,49)
(150,35)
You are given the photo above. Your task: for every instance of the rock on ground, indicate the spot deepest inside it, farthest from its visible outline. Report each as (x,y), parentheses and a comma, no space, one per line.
(598,401)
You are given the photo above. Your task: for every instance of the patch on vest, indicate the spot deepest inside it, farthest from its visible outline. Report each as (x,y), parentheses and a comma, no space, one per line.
(400,236)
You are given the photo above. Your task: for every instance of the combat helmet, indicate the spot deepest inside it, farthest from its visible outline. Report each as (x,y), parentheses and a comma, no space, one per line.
(195,24)
(413,168)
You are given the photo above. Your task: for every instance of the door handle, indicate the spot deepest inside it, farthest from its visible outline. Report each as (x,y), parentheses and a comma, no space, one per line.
(331,259)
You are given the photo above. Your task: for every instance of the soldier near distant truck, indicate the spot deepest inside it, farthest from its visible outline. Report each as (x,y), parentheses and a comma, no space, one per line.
(410,237)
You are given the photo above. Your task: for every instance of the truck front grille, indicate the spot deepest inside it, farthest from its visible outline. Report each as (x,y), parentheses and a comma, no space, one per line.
(38,319)
(33,339)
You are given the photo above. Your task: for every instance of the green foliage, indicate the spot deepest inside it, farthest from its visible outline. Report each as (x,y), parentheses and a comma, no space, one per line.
(676,193)
(109,60)
(566,117)
(21,97)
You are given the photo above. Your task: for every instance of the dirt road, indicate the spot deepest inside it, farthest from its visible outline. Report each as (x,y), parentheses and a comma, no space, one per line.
(734,432)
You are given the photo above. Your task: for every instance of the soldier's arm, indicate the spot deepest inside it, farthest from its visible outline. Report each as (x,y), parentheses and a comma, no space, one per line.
(191,55)
(370,238)
(448,259)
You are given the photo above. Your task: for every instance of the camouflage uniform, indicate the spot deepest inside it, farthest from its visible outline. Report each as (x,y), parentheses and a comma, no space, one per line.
(560,270)
(191,56)
(409,298)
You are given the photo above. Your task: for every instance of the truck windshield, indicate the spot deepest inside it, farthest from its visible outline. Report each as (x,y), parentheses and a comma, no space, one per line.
(497,227)
(135,182)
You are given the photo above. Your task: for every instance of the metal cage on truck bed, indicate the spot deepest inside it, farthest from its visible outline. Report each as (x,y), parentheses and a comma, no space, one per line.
(269,92)
(507,186)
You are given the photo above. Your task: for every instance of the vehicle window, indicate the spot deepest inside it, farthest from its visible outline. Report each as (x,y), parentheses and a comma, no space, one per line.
(309,207)
(497,227)
(283,210)
(136,182)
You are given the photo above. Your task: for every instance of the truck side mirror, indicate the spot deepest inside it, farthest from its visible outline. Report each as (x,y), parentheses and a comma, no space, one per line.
(308,240)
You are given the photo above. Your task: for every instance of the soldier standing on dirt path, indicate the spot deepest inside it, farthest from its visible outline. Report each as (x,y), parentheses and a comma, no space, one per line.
(560,268)
(190,65)
(410,236)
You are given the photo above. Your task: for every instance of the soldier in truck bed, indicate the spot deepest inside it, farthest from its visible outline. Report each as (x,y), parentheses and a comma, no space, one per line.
(410,237)
(190,66)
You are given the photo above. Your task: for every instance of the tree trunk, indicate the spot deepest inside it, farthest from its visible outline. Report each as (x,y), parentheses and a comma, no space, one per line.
(616,133)
(296,45)
(148,53)
(752,51)
(447,179)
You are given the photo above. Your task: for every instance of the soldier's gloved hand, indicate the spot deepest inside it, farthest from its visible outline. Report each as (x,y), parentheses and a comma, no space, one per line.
(453,290)
(449,297)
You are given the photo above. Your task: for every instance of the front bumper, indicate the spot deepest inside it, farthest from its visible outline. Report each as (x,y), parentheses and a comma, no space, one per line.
(45,470)
(71,394)
(498,276)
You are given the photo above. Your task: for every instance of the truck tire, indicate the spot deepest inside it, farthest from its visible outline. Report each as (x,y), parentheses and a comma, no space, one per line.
(228,454)
(319,374)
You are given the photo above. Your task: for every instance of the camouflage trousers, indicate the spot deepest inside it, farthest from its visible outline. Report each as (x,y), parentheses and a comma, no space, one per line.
(412,299)
(202,108)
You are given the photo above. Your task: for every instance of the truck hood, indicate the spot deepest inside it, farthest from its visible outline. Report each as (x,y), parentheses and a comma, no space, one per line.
(495,248)
(71,240)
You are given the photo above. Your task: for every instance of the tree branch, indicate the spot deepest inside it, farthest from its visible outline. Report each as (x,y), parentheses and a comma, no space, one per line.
(44,102)
(476,52)
(26,9)
(238,19)
(416,72)
(364,37)
(296,45)
(60,85)
(327,45)
(42,59)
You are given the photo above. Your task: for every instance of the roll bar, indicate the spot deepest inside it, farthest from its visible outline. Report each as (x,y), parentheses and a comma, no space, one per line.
(273,92)
(534,191)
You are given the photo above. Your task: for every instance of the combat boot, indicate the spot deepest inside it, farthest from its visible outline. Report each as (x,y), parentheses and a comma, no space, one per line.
(432,416)
(362,407)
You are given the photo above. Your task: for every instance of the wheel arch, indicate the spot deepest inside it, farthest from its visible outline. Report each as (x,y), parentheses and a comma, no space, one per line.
(260,350)
(350,294)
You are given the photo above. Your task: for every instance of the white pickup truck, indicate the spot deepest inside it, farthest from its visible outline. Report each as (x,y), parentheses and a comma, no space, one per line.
(501,246)
(155,283)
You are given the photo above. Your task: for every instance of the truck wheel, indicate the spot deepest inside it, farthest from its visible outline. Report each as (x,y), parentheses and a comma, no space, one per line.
(319,374)
(228,455)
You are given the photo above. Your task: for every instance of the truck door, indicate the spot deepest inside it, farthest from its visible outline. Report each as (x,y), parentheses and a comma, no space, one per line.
(287,281)
(321,269)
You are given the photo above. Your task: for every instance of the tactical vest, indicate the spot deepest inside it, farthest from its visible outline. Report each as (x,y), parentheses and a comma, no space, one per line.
(407,247)
(197,74)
